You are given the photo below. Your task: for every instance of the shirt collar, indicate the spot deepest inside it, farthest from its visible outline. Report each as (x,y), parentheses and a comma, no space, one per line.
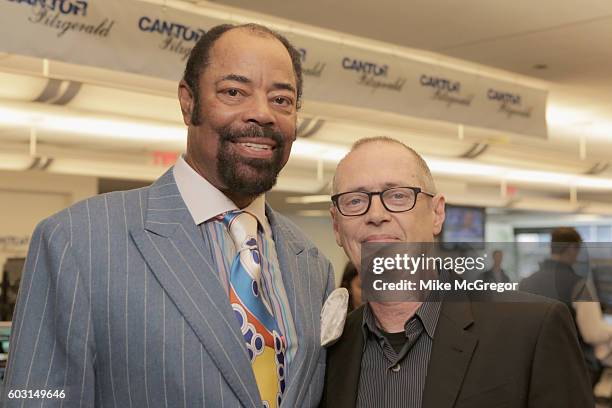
(204,201)
(428,313)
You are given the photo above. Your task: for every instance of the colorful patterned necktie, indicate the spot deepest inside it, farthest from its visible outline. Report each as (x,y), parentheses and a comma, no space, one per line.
(264,342)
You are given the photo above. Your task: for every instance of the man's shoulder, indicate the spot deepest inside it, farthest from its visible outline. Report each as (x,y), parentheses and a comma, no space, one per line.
(518,308)
(91,210)
(516,296)
(511,297)
(531,280)
(351,332)
(284,222)
(289,227)
(355,318)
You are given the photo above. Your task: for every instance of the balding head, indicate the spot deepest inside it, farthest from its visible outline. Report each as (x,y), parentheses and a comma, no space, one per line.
(423,173)
(382,164)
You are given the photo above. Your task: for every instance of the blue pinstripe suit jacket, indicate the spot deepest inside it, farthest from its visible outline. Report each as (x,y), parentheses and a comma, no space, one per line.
(120,306)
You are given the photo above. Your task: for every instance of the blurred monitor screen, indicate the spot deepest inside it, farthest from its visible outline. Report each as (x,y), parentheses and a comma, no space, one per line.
(464,224)
(9,286)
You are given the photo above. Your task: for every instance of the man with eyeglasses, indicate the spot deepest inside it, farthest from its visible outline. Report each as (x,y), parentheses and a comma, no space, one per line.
(437,353)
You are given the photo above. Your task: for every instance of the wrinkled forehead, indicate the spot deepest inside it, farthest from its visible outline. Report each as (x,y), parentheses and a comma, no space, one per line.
(374,167)
(243,51)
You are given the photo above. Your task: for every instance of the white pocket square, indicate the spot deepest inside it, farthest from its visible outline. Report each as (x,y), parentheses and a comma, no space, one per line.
(333,316)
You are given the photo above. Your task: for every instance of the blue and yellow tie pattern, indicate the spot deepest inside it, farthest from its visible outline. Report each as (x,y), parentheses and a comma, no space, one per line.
(264,342)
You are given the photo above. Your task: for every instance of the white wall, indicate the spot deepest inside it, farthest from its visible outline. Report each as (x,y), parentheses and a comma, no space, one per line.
(319,230)
(28,197)
(539,219)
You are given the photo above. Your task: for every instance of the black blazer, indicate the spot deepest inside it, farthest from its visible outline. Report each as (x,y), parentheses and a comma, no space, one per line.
(520,353)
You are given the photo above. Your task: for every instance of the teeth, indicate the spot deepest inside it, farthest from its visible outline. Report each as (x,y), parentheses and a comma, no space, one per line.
(257,146)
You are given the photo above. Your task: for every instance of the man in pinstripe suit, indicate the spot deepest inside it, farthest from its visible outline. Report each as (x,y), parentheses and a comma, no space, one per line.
(124,298)
(468,352)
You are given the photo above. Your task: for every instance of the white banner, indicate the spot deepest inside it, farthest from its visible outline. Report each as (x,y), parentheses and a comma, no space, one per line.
(149,39)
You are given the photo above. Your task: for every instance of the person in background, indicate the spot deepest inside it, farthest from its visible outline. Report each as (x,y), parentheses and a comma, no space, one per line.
(496,274)
(557,279)
(352,283)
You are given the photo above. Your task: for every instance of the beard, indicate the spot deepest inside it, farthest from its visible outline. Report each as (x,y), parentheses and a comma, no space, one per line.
(248,176)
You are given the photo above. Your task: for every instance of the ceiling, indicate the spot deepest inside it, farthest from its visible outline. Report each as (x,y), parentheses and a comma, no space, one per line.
(563,43)
(571,38)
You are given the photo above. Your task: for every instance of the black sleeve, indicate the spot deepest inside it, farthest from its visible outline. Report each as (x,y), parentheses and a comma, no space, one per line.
(559,377)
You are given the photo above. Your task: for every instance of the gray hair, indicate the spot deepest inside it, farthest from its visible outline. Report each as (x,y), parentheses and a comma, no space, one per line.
(424,175)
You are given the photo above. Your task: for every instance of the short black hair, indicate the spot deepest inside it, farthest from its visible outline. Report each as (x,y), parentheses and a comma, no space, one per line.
(564,237)
(199,59)
(350,273)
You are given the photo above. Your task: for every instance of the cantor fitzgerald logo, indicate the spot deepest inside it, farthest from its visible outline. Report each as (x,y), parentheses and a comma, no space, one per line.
(308,67)
(66,16)
(509,103)
(70,7)
(373,75)
(176,37)
(445,90)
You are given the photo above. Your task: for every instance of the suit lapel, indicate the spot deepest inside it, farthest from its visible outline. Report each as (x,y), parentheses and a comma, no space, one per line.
(452,351)
(344,364)
(172,245)
(293,259)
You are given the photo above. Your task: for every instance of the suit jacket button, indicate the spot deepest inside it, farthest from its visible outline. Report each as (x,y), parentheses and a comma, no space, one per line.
(395,368)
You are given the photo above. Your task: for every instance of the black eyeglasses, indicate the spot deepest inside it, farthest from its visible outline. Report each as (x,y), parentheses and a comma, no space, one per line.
(396,199)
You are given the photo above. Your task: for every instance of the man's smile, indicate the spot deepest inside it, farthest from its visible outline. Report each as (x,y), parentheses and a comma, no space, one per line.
(256,148)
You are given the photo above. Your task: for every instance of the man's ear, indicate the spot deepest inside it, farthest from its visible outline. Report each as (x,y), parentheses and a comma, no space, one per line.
(438,203)
(334,215)
(185,96)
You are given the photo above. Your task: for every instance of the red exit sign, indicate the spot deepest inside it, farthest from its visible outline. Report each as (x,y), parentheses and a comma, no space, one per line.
(164,158)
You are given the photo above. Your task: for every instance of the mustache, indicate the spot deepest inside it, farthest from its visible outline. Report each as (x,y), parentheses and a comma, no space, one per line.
(228,134)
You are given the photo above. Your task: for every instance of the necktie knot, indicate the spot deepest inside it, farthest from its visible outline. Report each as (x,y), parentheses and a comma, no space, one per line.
(242,227)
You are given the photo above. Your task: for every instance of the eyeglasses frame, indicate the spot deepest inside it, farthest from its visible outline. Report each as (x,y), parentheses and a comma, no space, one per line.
(416,190)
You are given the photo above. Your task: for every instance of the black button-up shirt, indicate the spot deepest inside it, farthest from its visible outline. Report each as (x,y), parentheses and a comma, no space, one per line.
(397,379)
